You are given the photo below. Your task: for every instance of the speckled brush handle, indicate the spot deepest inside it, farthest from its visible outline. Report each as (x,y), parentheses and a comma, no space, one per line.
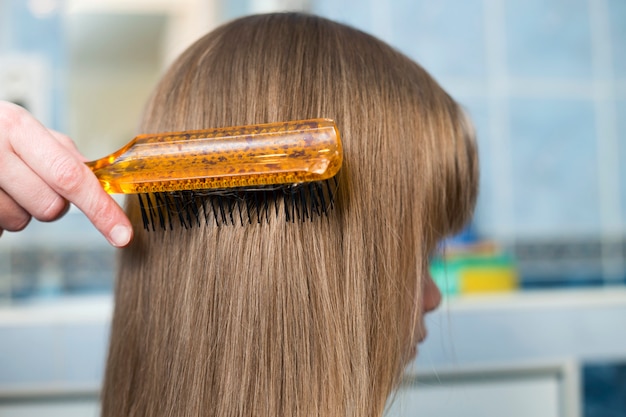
(244,156)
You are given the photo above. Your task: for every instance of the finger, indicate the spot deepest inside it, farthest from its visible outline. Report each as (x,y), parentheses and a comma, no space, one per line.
(74,181)
(64,173)
(12,217)
(29,191)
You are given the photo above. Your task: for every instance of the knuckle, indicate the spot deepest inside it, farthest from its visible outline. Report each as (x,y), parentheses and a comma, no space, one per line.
(12,216)
(101,213)
(17,222)
(67,175)
(53,209)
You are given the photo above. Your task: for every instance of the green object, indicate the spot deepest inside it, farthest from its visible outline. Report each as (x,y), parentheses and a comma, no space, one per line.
(446,275)
(449,273)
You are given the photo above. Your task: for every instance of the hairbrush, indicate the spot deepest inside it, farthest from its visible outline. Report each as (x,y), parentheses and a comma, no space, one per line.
(228,175)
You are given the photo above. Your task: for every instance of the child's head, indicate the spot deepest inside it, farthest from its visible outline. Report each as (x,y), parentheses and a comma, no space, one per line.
(305,318)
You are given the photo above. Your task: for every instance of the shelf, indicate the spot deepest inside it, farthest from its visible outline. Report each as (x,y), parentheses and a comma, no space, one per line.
(539,299)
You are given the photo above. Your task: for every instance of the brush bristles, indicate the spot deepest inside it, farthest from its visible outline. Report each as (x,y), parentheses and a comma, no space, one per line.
(229,207)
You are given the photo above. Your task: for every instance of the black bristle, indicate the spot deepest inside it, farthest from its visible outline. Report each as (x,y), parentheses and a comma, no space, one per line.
(290,211)
(187,199)
(240,201)
(319,198)
(179,205)
(292,206)
(304,205)
(275,196)
(193,204)
(257,203)
(169,204)
(331,197)
(161,209)
(300,203)
(214,210)
(151,213)
(266,206)
(315,208)
(248,201)
(286,206)
(230,205)
(220,204)
(296,203)
(144,216)
(204,210)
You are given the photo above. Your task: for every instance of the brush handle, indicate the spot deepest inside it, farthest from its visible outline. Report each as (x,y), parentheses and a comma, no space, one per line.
(245,156)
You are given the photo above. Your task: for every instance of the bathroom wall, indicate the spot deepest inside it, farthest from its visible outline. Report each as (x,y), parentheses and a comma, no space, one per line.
(33,58)
(545,83)
(85,68)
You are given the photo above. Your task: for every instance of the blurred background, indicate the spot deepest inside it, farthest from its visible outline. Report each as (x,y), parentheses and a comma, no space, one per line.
(535,302)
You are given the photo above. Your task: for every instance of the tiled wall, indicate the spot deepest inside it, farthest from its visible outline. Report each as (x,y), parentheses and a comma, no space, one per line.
(33,32)
(42,261)
(545,83)
(46,260)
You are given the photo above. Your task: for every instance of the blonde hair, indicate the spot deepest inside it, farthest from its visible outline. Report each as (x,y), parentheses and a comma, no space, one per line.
(293,319)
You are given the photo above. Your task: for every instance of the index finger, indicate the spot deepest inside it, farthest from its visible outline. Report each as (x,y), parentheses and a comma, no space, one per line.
(64,173)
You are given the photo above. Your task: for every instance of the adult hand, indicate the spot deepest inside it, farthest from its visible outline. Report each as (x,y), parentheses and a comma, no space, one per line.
(41,172)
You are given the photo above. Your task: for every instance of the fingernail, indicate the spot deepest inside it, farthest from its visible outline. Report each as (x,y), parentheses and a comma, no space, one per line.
(120,235)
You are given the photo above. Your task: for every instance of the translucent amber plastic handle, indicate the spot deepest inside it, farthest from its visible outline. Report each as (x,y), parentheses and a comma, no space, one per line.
(246,156)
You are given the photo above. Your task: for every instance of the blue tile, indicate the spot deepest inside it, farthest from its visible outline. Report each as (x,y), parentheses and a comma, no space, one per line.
(234,8)
(446,37)
(28,354)
(478,111)
(617,22)
(43,36)
(350,12)
(555,181)
(549,39)
(5,27)
(621,134)
(5,276)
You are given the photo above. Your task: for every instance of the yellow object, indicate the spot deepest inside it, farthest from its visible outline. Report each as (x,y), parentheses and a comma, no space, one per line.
(245,156)
(488,279)
(474,270)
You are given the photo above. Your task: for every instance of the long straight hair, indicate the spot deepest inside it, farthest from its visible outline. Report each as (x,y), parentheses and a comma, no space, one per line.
(287,319)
